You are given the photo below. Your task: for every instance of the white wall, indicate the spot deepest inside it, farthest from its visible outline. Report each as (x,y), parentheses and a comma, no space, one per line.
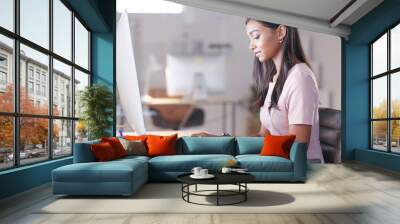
(156,34)
(324,54)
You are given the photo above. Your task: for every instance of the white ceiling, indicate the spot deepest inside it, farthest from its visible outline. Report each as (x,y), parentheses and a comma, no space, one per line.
(320,9)
(313,15)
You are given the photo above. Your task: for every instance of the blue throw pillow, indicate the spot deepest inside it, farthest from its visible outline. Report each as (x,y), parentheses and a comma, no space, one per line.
(207,145)
(249,145)
(83,153)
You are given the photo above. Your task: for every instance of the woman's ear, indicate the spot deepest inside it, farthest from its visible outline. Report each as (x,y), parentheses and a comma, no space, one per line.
(281,33)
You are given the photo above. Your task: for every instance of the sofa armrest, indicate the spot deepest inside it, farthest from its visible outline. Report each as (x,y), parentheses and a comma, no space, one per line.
(298,155)
(83,152)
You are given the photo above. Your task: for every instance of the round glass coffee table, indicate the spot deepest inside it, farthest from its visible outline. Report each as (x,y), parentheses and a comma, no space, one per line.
(238,179)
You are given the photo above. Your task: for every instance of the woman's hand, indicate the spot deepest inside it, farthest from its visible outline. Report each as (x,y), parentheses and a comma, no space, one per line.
(263,131)
(203,134)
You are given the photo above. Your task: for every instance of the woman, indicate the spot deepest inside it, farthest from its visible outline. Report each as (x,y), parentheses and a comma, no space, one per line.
(286,87)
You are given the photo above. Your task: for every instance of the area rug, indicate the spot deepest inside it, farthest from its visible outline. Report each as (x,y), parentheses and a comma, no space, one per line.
(167,198)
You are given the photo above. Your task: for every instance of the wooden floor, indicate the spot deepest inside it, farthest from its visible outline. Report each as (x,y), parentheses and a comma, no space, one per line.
(379,189)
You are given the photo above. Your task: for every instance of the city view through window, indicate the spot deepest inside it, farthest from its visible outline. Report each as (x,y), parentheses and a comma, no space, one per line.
(39,114)
(385,82)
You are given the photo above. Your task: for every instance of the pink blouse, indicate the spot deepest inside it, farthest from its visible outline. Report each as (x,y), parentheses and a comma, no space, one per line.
(298,104)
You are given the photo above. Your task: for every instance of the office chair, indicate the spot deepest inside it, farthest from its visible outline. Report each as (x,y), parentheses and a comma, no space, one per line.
(330,134)
(175,118)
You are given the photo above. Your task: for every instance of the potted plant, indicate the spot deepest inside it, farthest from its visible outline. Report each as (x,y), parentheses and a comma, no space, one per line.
(96,102)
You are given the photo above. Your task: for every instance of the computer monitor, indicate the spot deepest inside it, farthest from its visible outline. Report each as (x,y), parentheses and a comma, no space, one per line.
(183,70)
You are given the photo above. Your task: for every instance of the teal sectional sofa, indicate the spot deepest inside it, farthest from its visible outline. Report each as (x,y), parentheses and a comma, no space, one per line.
(125,176)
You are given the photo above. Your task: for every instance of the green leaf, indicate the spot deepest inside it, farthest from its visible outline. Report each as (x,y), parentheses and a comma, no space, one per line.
(96,102)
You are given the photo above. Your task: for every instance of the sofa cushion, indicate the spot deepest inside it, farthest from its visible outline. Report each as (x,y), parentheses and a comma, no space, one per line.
(257,163)
(111,171)
(161,145)
(249,145)
(206,145)
(185,163)
(134,147)
(83,152)
(131,158)
(277,145)
(136,137)
(116,145)
(103,152)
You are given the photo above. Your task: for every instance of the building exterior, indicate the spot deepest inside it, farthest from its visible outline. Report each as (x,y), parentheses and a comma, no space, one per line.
(35,80)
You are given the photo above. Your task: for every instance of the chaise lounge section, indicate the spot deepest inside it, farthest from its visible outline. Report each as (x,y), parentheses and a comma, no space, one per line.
(88,177)
(125,176)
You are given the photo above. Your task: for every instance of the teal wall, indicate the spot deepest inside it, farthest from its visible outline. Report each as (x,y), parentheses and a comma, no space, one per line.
(99,16)
(24,178)
(380,159)
(103,53)
(102,58)
(355,85)
(103,65)
(91,12)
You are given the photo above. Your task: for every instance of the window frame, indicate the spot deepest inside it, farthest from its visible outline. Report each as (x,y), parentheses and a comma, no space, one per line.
(388,74)
(16,114)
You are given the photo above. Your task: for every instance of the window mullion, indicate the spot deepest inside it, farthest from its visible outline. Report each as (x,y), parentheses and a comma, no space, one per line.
(389,76)
(371,137)
(16,84)
(17,72)
(73,82)
(50,81)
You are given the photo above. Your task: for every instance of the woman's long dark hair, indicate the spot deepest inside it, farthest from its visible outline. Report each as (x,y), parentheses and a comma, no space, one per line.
(263,72)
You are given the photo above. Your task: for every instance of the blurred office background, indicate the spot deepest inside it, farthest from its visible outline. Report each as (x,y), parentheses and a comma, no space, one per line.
(175,45)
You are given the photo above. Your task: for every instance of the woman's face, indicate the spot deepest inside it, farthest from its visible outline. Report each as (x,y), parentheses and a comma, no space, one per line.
(265,42)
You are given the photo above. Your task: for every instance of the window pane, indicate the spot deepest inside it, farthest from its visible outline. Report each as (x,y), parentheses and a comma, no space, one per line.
(62,138)
(395,94)
(395,136)
(7,14)
(34,79)
(6,74)
(33,140)
(6,142)
(395,47)
(379,55)
(379,135)
(379,98)
(62,89)
(35,21)
(81,45)
(81,81)
(62,29)
(81,131)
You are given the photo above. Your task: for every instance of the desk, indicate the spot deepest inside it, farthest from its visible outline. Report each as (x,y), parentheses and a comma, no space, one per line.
(180,133)
(211,100)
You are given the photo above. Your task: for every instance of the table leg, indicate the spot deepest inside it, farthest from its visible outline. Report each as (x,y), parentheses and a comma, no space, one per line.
(217,194)
(196,187)
(188,190)
(224,117)
(233,119)
(245,193)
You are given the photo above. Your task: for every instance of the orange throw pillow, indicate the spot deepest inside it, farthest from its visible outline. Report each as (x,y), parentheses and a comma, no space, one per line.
(161,145)
(116,145)
(135,137)
(103,152)
(277,145)
(142,138)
